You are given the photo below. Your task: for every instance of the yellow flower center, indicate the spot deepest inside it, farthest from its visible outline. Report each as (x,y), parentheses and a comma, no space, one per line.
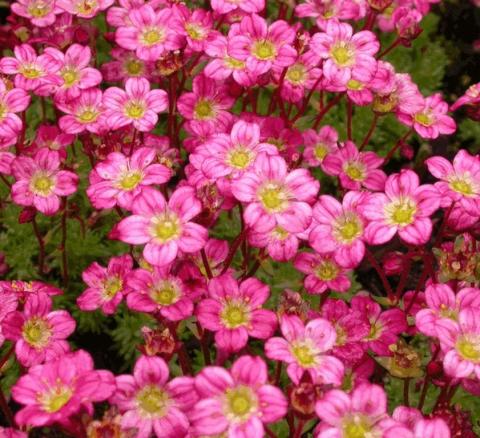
(165,227)
(240,158)
(273,197)
(111,286)
(352,84)
(327,270)
(233,63)
(56,399)
(153,401)
(469,348)
(31,72)
(70,77)
(401,212)
(165,293)
(385,104)
(357,426)
(264,50)
(304,353)
(134,110)
(347,228)
(235,314)
(425,119)
(3,111)
(375,331)
(134,67)
(296,74)
(130,180)
(39,9)
(86,7)
(320,151)
(204,110)
(42,184)
(343,54)
(446,312)
(37,332)
(240,403)
(463,186)
(195,32)
(87,115)
(153,35)
(279,233)
(355,170)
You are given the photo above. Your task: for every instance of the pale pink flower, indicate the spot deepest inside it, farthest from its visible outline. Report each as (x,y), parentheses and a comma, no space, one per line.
(281,245)
(244,6)
(346,56)
(148,33)
(431,120)
(152,405)
(422,428)
(40,183)
(355,169)
(118,179)
(106,286)
(118,15)
(165,228)
(238,402)
(405,207)
(75,74)
(159,291)
(38,332)
(84,8)
(137,105)
(276,197)
(234,312)
(338,228)
(303,348)
(11,102)
(319,144)
(41,13)
(58,389)
(323,273)
(260,46)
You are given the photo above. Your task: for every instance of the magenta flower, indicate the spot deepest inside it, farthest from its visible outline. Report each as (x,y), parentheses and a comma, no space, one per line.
(405,207)
(11,102)
(84,8)
(260,46)
(355,169)
(470,98)
(323,273)
(125,64)
(281,245)
(159,291)
(150,404)
(234,312)
(58,389)
(332,10)
(247,6)
(148,33)
(39,333)
(276,197)
(431,120)
(9,300)
(107,286)
(338,228)
(347,56)
(195,26)
(51,137)
(23,289)
(40,183)
(238,402)
(12,433)
(459,181)
(165,228)
(303,348)
(41,13)
(118,179)
(422,428)
(137,105)
(363,412)
(75,73)
(30,70)
(319,145)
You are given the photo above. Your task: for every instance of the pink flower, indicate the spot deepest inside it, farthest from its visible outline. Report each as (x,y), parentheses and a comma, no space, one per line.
(423,428)
(323,273)
(303,348)
(41,13)
(276,197)
(431,120)
(23,289)
(338,228)
(84,8)
(30,70)
(40,183)
(150,403)
(125,64)
(459,182)
(50,136)
(75,73)
(164,227)
(137,105)
(9,300)
(148,33)
(319,145)
(11,102)
(261,46)
(281,245)
(355,169)
(107,286)
(470,98)
(85,113)
(58,389)
(246,6)
(405,207)
(331,10)
(346,56)
(118,179)
(39,334)
(159,291)
(238,402)
(195,26)
(234,312)
(207,103)
(11,433)
(363,412)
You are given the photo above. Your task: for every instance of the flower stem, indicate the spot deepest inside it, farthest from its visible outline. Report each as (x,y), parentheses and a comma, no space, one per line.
(381,274)
(63,244)
(370,132)
(41,247)
(206,265)
(325,110)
